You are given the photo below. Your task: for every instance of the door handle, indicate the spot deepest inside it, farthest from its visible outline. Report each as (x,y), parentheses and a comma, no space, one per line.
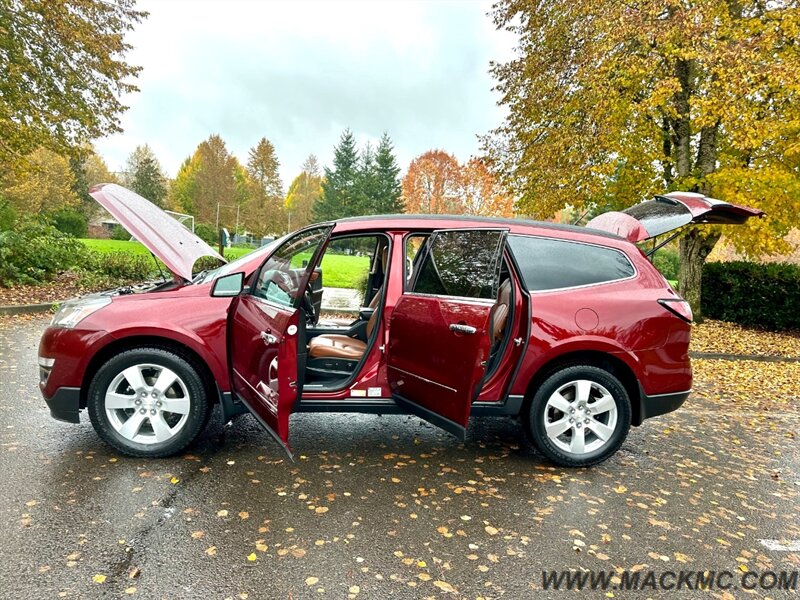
(268,338)
(461,328)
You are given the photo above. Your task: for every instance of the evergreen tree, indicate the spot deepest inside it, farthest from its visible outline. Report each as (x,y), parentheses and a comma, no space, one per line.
(387,197)
(145,175)
(339,189)
(367,182)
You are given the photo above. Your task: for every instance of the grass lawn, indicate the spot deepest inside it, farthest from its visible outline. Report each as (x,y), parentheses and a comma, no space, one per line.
(113,246)
(338,270)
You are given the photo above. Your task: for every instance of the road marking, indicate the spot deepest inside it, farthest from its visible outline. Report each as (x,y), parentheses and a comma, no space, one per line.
(778,546)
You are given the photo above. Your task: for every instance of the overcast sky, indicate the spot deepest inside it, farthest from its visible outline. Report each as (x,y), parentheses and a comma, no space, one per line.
(300,72)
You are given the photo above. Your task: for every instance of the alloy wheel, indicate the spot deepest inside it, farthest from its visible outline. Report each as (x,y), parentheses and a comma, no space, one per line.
(580,417)
(147,403)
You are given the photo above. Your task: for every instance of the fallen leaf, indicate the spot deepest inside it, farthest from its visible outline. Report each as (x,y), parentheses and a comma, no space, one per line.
(445,587)
(312,580)
(99,578)
(252,556)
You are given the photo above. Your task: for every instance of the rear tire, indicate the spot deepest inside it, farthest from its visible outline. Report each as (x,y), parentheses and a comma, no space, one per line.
(579,416)
(148,402)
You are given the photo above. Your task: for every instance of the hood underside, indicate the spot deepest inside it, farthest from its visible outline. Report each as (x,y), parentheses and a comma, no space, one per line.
(176,246)
(669,212)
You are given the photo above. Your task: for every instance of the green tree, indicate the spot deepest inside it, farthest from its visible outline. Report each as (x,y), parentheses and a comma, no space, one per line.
(611,102)
(265,211)
(88,169)
(303,193)
(145,176)
(387,197)
(339,196)
(366,184)
(62,72)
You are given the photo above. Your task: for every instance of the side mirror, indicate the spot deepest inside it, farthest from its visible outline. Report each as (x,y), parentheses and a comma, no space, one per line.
(228,286)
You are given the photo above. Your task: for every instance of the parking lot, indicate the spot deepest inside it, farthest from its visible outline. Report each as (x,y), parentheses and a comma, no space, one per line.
(377,507)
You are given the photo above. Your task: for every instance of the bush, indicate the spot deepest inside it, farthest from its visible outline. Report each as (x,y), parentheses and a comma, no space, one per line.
(206,232)
(667,261)
(35,252)
(70,221)
(120,233)
(120,267)
(753,294)
(7,215)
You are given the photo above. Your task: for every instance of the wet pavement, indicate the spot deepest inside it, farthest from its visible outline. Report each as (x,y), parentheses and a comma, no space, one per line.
(385,507)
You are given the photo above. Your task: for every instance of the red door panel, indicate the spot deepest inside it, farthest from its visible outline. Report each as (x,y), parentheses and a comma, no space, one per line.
(439,337)
(264,361)
(434,366)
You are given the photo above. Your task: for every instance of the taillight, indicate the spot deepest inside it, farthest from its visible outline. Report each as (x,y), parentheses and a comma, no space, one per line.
(678,307)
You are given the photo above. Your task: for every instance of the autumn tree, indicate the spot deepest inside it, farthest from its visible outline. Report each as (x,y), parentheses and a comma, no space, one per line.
(433,184)
(303,193)
(46,184)
(212,179)
(481,192)
(264,208)
(62,72)
(339,188)
(88,169)
(609,103)
(145,176)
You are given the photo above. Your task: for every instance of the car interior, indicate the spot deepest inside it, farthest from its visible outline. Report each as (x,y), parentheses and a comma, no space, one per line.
(338,344)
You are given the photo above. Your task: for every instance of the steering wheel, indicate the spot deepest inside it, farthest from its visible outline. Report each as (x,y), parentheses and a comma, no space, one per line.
(283,281)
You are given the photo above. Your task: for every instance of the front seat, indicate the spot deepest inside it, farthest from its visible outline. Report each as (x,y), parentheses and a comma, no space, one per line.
(500,310)
(340,346)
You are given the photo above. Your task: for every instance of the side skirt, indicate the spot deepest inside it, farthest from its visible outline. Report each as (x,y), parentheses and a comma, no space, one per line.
(387,406)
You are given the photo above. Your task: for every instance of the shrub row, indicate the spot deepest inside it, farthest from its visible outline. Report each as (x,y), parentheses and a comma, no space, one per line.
(767,295)
(35,251)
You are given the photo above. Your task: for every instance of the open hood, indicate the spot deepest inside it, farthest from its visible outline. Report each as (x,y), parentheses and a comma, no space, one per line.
(176,246)
(671,211)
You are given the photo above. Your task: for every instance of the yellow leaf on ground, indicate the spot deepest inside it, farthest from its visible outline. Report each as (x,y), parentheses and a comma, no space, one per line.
(197,535)
(211,550)
(621,489)
(491,530)
(312,580)
(222,513)
(130,590)
(99,578)
(445,587)
(252,556)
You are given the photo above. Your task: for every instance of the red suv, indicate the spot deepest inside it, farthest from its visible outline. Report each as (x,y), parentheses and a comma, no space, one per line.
(571,329)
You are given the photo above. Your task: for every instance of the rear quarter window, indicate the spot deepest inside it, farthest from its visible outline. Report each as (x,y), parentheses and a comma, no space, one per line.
(550,264)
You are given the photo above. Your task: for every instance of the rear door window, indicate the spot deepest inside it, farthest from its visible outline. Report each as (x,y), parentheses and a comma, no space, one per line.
(462,263)
(550,264)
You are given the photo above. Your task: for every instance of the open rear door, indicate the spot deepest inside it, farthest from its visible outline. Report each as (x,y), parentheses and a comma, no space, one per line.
(439,337)
(266,333)
(667,213)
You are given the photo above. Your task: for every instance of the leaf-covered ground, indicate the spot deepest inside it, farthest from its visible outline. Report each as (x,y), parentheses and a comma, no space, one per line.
(391,507)
(730,338)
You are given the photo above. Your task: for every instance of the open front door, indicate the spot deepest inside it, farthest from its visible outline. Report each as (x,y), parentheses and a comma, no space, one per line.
(439,333)
(266,333)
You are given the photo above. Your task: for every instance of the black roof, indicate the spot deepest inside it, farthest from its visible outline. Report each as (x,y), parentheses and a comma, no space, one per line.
(488,220)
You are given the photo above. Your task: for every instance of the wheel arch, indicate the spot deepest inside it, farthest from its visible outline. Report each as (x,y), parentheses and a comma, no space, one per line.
(593,358)
(148,341)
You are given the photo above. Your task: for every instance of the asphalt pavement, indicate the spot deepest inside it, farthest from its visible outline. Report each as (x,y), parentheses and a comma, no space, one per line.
(384,507)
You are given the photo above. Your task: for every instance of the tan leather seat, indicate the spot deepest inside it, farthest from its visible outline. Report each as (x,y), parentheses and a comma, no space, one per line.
(336,346)
(500,311)
(340,346)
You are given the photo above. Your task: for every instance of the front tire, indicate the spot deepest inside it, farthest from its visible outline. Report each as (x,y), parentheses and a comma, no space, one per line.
(579,416)
(148,402)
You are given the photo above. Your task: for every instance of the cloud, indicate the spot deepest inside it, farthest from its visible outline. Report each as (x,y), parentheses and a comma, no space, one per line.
(300,72)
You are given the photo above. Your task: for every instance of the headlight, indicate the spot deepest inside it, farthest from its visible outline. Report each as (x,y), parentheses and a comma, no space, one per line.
(74,311)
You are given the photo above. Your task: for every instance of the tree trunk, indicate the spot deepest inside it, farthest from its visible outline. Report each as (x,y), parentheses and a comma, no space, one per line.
(695,246)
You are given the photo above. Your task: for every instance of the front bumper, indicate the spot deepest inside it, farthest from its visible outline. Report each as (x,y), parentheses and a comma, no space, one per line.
(64,405)
(659,404)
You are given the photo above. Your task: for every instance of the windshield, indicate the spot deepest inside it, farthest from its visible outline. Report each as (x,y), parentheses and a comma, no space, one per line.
(236,265)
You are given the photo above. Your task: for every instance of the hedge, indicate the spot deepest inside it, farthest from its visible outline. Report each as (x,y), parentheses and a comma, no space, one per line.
(767,295)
